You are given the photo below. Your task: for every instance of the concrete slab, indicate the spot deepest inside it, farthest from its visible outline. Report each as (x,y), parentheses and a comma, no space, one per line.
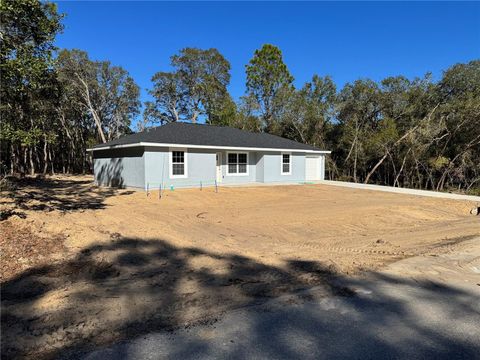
(436,194)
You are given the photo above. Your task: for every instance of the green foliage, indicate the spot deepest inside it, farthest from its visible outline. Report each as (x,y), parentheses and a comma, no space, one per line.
(439,163)
(245,118)
(28,28)
(224,113)
(384,136)
(310,111)
(28,90)
(204,75)
(97,89)
(269,82)
(49,104)
(473,191)
(169,99)
(197,87)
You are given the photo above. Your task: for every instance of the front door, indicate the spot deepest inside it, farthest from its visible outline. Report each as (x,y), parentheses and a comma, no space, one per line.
(219,167)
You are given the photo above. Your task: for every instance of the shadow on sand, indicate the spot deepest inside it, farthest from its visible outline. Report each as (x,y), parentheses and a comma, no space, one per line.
(50,193)
(130,287)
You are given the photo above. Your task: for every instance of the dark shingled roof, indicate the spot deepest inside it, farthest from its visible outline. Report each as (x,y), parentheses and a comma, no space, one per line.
(208,135)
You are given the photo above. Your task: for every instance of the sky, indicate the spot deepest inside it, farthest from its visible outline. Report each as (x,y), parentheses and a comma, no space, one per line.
(346,40)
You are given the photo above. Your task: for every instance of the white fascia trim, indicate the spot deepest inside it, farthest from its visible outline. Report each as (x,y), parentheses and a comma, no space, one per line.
(207,147)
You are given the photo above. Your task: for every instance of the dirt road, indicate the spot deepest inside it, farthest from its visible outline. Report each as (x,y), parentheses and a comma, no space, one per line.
(125,264)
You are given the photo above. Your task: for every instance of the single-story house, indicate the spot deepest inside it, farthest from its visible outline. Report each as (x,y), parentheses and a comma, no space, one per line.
(192,155)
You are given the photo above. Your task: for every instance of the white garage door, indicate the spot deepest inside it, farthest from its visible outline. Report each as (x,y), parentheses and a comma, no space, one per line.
(312,168)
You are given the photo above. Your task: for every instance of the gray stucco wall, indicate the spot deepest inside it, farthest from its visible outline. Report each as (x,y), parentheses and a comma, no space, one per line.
(259,171)
(201,167)
(150,167)
(119,167)
(272,168)
(240,179)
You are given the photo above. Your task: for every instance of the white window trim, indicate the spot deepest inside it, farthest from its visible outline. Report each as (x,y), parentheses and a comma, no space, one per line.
(290,163)
(185,163)
(228,173)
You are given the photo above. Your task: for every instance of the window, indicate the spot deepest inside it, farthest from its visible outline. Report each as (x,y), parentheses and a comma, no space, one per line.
(178,164)
(237,164)
(286,164)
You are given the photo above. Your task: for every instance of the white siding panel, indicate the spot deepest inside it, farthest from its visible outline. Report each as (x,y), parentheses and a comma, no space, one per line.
(312,168)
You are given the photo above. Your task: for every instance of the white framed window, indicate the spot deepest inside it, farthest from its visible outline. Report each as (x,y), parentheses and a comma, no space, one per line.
(286,164)
(237,163)
(178,163)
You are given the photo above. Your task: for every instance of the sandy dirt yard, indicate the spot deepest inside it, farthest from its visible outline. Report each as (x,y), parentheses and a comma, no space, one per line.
(84,266)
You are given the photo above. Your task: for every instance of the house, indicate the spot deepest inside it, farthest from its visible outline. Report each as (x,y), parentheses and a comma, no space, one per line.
(192,155)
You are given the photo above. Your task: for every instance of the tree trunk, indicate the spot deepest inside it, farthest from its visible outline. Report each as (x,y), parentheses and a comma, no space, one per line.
(13,159)
(96,118)
(52,171)
(475,141)
(45,157)
(376,167)
(24,164)
(401,169)
(471,184)
(355,163)
(32,164)
(97,122)
(388,149)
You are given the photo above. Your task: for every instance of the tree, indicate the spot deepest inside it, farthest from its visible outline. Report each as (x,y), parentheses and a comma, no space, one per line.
(246,118)
(269,82)
(169,100)
(405,109)
(28,29)
(223,112)
(205,75)
(118,99)
(196,87)
(78,76)
(358,116)
(310,111)
(106,92)
(459,91)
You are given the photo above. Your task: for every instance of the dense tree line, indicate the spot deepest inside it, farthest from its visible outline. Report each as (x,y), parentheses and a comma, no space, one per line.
(55,104)
(420,133)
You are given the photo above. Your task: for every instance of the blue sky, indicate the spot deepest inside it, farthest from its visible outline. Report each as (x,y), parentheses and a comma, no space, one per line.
(346,40)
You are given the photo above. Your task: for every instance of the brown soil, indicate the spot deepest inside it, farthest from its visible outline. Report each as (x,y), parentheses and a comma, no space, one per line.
(22,249)
(133,264)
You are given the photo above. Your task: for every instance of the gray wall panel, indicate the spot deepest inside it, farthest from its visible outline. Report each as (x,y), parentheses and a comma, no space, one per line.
(200,168)
(259,170)
(119,167)
(150,166)
(272,168)
(239,179)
